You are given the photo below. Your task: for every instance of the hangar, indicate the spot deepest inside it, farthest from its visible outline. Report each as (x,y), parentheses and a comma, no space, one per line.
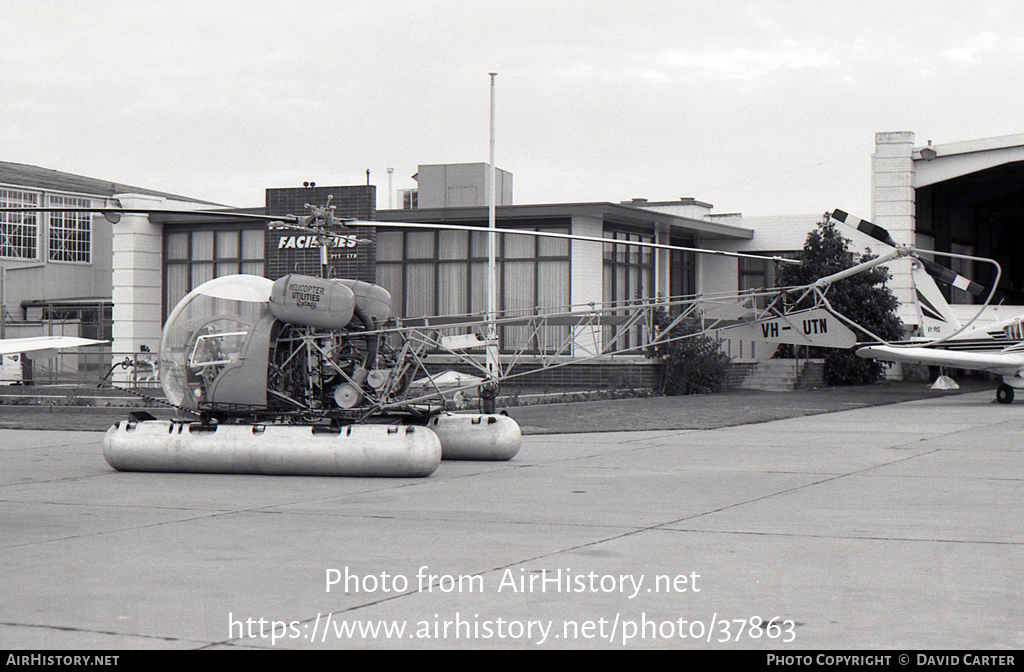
(969,197)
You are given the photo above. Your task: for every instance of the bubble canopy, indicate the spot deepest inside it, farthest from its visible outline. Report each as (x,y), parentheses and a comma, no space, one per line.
(207,330)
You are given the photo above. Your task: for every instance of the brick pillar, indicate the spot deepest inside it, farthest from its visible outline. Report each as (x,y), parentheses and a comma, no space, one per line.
(893,207)
(137,285)
(137,281)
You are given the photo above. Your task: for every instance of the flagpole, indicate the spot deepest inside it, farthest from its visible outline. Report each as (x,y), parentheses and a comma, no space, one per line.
(492,294)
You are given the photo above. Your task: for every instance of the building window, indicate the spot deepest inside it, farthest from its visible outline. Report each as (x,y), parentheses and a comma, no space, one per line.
(445,273)
(94,321)
(410,199)
(758,274)
(19,232)
(70,233)
(754,273)
(628,279)
(193,257)
(682,270)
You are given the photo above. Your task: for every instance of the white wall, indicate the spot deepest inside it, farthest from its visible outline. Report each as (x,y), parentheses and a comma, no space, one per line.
(717,274)
(893,207)
(587,281)
(42,279)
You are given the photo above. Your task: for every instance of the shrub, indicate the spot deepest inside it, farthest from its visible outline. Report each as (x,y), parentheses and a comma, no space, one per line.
(692,364)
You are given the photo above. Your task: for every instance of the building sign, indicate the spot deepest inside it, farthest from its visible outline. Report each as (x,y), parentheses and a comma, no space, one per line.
(305,242)
(290,251)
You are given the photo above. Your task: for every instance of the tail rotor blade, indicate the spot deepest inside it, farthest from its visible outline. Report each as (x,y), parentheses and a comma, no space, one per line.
(865,227)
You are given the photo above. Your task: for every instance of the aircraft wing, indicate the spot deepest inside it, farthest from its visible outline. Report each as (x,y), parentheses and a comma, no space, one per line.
(1003,363)
(13,346)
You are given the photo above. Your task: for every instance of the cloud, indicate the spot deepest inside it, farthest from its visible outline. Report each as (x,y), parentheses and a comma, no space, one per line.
(971,48)
(744,63)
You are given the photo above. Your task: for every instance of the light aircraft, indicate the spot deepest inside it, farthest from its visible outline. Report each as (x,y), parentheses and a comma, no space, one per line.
(314,375)
(47,346)
(14,346)
(995,348)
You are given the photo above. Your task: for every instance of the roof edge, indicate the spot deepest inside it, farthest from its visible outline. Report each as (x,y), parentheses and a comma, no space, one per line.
(972,146)
(704,228)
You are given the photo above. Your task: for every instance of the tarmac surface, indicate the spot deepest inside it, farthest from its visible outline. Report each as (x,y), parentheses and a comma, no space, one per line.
(896,526)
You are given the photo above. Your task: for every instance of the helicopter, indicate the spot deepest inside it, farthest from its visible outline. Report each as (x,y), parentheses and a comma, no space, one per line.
(309,375)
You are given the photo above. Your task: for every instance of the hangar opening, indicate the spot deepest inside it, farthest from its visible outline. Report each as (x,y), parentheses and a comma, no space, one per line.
(978,214)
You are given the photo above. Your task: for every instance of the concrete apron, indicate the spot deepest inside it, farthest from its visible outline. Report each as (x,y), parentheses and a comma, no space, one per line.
(887,527)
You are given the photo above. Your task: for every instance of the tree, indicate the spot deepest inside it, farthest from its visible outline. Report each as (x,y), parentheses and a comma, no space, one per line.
(863,298)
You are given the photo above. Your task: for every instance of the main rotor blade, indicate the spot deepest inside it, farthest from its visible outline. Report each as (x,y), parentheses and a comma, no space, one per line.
(113,214)
(943,274)
(937,271)
(566,236)
(864,226)
(289,221)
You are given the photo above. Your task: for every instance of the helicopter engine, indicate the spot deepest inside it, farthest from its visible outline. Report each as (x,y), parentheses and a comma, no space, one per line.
(321,354)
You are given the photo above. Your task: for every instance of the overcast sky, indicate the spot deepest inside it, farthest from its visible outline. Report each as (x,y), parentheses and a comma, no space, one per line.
(761,107)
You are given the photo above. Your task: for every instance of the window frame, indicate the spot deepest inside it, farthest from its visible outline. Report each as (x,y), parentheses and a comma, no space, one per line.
(216,262)
(13,197)
(81,218)
(473,254)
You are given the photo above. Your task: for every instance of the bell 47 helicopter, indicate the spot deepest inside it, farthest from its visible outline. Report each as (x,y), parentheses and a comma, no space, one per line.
(314,375)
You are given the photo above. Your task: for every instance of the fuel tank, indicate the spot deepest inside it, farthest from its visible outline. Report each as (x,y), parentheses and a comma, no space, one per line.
(372,299)
(353,450)
(312,302)
(476,437)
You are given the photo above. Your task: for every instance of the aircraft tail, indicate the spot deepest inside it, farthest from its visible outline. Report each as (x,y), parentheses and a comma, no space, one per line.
(937,320)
